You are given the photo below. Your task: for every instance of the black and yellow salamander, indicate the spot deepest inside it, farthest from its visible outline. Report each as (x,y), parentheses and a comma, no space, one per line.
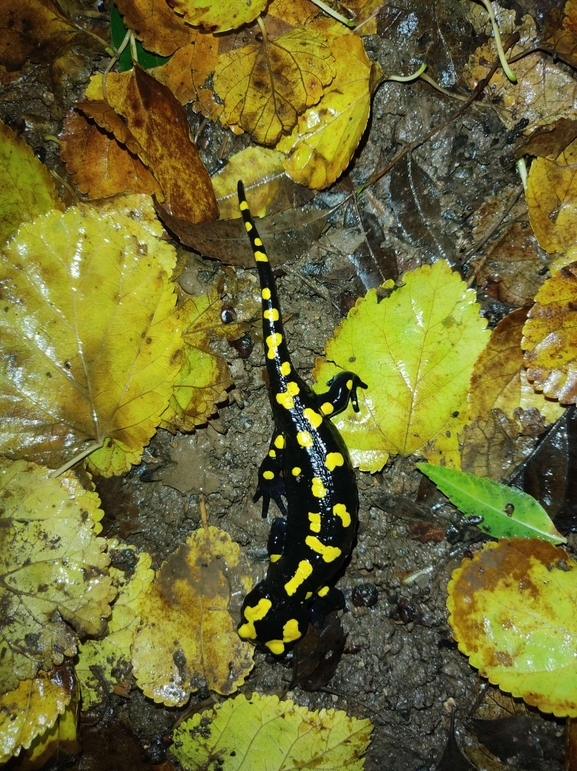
(307,464)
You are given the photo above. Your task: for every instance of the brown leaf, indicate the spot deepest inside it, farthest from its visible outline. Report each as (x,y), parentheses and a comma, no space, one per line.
(561,33)
(550,141)
(156,24)
(31,29)
(99,165)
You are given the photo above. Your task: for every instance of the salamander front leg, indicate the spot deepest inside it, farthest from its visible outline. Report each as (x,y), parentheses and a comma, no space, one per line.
(342,389)
(270,480)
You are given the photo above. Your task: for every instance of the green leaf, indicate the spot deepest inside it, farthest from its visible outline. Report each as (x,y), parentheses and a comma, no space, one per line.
(145,58)
(506,511)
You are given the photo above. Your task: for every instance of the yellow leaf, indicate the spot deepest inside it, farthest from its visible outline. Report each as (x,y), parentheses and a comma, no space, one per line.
(499,380)
(262,172)
(188,638)
(513,613)
(26,187)
(31,708)
(266,87)
(53,569)
(204,375)
(265,734)
(322,144)
(88,339)
(550,337)
(552,200)
(219,15)
(415,350)
(110,656)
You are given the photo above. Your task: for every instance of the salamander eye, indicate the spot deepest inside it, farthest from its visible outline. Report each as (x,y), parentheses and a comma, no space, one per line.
(227,314)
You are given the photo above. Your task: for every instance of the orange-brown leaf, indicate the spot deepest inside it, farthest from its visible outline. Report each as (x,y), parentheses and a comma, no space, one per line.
(99,165)
(156,24)
(561,32)
(31,29)
(550,337)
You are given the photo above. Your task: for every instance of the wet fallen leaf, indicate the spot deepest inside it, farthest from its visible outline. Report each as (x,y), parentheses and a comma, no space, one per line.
(31,29)
(188,638)
(98,164)
(561,32)
(316,656)
(265,87)
(219,16)
(513,614)
(102,663)
(266,734)
(204,375)
(322,144)
(156,24)
(552,200)
(54,570)
(26,187)
(415,350)
(158,123)
(89,343)
(504,511)
(499,379)
(550,337)
(32,708)
(550,141)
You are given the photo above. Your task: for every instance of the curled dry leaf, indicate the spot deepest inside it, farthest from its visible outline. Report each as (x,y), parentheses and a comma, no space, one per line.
(550,337)
(89,343)
(188,637)
(266,87)
(513,614)
(53,569)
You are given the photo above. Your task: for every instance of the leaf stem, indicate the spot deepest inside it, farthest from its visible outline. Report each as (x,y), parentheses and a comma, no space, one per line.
(73,461)
(498,43)
(408,78)
(327,9)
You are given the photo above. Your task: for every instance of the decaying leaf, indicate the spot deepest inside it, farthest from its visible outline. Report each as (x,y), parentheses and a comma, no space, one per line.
(103,662)
(266,87)
(219,16)
(561,32)
(322,144)
(31,30)
(26,187)
(88,340)
(158,123)
(98,163)
(550,337)
(415,350)
(32,708)
(499,379)
(274,734)
(204,375)
(53,568)
(188,637)
(156,24)
(503,511)
(513,614)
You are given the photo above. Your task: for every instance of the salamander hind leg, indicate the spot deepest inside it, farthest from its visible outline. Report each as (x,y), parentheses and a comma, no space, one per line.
(270,480)
(342,389)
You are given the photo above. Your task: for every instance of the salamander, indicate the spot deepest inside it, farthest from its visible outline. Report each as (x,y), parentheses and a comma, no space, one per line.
(307,465)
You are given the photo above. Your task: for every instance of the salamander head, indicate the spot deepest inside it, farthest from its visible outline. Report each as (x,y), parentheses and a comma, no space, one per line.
(271,619)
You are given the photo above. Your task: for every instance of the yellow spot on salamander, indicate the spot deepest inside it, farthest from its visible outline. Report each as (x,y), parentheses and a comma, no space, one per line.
(243,206)
(308,595)
(285,368)
(268,475)
(293,388)
(340,510)
(265,294)
(296,471)
(279,442)
(327,408)
(260,256)
(333,460)
(285,400)
(247,631)
(328,553)
(350,385)
(323,591)
(248,226)
(254,613)
(302,572)
(275,646)
(317,488)
(271,314)
(272,454)
(304,439)
(275,557)
(257,241)
(313,417)
(315,520)
(273,341)
(291,631)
